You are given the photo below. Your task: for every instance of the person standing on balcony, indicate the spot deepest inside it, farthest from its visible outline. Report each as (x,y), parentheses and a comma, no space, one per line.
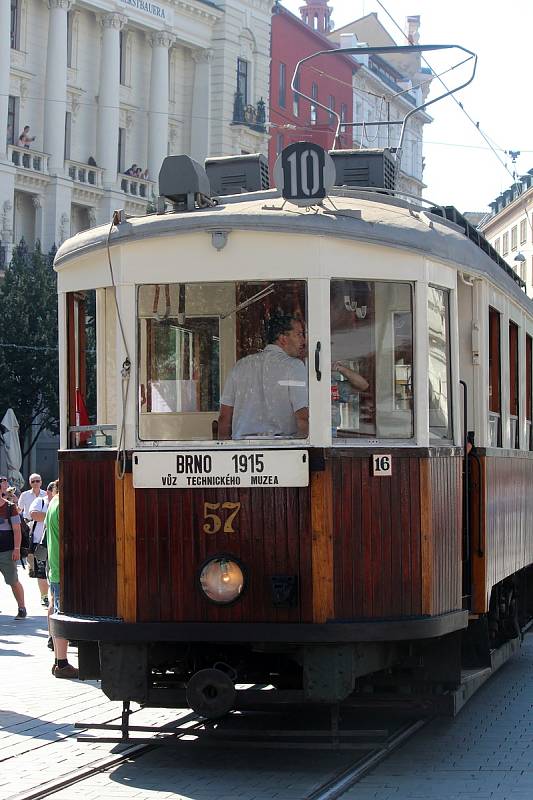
(25,139)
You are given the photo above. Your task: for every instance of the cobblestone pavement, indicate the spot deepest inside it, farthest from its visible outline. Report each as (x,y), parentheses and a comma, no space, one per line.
(486,752)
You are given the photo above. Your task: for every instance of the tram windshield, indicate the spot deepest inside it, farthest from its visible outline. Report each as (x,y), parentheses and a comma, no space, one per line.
(222,360)
(372,360)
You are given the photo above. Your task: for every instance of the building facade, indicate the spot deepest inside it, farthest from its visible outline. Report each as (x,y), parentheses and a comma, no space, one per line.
(328,79)
(385,90)
(509,227)
(364,90)
(108,84)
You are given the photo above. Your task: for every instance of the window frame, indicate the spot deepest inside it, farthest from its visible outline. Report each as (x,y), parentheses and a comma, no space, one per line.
(282,85)
(242,79)
(505,243)
(514,383)
(523,231)
(450,438)
(313,107)
(12,114)
(296,96)
(494,356)
(14,32)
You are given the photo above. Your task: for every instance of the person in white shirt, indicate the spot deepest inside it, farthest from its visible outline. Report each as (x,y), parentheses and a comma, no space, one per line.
(266,393)
(24,503)
(37,514)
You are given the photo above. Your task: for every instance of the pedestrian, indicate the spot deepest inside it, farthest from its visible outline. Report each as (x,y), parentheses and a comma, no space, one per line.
(4,485)
(24,503)
(37,514)
(10,536)
(61,668)
(25,139)
(132,170)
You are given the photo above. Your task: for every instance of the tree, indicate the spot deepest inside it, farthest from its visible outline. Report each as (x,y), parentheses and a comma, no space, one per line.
(28,344)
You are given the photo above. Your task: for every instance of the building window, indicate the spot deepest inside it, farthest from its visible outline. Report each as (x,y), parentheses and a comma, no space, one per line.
(331,105)
(523,231)
(514,238)
(121,158)
(282,95)
(69,40)
(280,143)
(122,46)
(68,132)
(314,111)
(505,244)
(296,97)
(12,109)
(15,24)
(497,244)
(344,114)
(242,80)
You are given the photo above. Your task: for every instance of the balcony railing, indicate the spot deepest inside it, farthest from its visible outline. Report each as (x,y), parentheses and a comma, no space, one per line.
(25,158)
(85,173)
(252,116)
(136,187)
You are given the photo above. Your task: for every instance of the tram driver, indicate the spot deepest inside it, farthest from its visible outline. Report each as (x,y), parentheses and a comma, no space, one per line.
(266,393)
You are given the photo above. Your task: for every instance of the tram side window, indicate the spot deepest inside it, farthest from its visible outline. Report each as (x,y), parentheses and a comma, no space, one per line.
(372,360)
(192,341)
(513,384)
(81,322)
(529,376)
(494,379)
(439,364)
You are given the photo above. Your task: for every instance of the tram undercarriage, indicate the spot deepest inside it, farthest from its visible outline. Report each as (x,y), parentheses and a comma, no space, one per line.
(204,675)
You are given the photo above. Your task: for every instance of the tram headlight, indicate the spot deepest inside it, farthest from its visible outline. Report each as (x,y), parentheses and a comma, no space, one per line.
(222,579)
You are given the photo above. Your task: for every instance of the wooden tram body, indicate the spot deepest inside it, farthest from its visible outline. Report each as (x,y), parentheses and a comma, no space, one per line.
(355,579)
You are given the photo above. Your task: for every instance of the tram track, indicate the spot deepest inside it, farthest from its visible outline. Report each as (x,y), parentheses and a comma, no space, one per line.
(190,727)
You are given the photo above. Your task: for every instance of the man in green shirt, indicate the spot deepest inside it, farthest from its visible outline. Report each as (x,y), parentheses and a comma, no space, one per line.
(61,668)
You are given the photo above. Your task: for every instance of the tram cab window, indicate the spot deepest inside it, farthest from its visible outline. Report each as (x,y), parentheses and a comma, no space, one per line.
(82,374)
(372,360)
(494,379)
(191,336)
(439,364)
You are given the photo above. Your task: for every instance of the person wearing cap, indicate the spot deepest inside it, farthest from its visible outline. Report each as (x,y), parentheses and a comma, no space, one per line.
(24,503)
(10,537)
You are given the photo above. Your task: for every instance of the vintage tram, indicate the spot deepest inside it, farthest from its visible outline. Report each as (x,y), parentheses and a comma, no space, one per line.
(387,546)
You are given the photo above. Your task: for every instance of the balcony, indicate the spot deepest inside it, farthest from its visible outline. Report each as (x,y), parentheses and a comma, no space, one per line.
(85,174)
(137,188)
(254,117)
(26,158)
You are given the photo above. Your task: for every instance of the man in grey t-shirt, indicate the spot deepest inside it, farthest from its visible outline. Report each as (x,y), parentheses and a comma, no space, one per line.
(266,393)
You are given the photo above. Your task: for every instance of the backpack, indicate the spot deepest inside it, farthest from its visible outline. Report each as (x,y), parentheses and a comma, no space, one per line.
(25,534)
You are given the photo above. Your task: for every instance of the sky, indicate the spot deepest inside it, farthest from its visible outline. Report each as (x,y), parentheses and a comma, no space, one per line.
(461,169)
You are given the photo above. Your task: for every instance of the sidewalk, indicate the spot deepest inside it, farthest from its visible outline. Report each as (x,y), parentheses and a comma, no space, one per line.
(38,711)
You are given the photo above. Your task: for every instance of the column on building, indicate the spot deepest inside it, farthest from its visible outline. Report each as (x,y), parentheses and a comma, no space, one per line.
(158,114)
(55,90)
(109,98)
(5,64)
(201,105)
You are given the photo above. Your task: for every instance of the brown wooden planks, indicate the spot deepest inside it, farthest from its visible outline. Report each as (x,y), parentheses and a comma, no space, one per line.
(271,536)
(322,547)
(88,541)
(397,547)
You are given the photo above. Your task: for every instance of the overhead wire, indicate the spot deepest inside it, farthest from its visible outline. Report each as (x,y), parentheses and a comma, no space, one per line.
(463,109)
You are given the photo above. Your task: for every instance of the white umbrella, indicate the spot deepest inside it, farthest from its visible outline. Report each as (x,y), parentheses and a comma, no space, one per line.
(12,449)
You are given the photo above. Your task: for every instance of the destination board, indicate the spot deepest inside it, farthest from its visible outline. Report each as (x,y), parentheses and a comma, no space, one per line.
(201,469)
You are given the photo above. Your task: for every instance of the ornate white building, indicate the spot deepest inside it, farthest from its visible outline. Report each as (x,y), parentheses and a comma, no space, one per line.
(105,84)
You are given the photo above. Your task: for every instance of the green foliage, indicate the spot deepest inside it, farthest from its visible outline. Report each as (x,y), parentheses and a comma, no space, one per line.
(28,343)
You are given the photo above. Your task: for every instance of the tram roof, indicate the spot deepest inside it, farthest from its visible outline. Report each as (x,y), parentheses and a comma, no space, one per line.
(364,216)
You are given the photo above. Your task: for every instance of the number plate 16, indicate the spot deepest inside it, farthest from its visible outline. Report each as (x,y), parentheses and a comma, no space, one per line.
(382,465)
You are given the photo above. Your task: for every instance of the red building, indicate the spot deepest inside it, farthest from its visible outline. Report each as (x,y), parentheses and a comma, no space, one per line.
(328,79)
